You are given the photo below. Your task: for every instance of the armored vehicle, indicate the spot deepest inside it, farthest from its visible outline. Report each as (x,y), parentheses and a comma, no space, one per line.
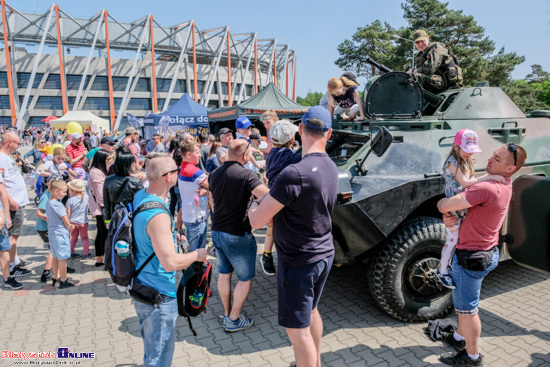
(390,179)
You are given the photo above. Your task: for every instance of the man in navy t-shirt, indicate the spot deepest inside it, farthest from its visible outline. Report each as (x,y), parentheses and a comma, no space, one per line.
(301,203)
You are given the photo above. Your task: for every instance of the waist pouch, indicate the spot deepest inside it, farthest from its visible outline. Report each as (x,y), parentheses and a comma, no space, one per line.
(145,294)
(475,260)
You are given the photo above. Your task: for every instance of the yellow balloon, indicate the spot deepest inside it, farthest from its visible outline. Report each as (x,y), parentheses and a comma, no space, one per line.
(57,146)
(74,127)
(48,149)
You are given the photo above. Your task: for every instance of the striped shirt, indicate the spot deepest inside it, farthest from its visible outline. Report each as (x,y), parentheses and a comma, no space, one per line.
(189,180)
(74,151)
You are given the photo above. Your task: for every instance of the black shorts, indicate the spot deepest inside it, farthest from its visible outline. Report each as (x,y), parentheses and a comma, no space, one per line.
(299,289)
(17,219)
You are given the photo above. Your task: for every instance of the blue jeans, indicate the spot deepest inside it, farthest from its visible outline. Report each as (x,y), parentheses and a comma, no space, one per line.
(196,234)
(468,285)
(158,330)
(236,253)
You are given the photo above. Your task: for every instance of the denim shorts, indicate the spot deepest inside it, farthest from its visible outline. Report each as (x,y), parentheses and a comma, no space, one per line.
(157,326)
(60,246)
(468,285)
(236,254)
(196,234)
(4,243)
(299,289)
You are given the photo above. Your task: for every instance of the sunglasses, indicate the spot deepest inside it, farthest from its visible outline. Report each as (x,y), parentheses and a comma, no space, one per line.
(172,171)
(111,144)
(512,148)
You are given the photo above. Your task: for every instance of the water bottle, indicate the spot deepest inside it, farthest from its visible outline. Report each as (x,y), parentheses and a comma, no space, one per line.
(201,206)
(122,248)
(196,298)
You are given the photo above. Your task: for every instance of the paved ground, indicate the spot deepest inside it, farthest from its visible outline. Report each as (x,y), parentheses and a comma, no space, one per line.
(94,317)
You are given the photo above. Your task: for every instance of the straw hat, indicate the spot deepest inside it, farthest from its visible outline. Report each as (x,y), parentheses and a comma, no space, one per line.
(76,185)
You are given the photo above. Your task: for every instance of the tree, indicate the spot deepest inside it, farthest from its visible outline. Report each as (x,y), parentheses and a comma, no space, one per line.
(475,51)
(537,74)
(525,96)
(311,99)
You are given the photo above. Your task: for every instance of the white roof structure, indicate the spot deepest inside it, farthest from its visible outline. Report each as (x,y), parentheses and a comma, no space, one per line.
(84,118)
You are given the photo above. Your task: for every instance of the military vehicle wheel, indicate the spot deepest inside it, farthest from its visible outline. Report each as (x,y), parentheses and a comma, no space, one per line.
(403,280)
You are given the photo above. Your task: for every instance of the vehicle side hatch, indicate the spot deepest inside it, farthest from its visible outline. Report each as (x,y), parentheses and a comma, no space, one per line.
(529,222)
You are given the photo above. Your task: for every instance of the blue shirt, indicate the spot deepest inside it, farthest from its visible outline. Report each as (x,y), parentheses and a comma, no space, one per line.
(153,274)
(277,160)
(42,225)
(55,210)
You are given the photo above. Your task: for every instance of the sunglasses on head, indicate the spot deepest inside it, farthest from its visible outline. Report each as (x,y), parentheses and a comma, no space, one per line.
(512,148)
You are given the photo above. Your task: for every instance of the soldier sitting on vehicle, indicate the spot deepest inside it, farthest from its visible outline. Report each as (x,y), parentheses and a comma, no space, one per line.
(436,67)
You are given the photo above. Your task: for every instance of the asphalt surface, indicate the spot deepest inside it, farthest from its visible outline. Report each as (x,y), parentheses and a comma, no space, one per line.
(95,317)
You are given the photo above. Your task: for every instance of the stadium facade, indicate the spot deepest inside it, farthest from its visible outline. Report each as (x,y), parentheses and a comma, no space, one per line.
(56,63)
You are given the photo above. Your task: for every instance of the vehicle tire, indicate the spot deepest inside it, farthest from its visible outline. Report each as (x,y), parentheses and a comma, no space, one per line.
(402,276)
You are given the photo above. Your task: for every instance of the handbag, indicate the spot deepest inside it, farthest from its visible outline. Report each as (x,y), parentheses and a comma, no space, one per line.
(475,260)
(145,294)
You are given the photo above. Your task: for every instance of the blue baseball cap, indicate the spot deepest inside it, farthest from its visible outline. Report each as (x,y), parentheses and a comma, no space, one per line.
(243,123)
(318,112)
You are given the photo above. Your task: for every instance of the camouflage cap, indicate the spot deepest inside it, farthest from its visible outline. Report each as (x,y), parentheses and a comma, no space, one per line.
(419,35)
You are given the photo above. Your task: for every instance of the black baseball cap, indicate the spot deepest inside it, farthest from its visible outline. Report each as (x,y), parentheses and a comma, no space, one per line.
(224,130)
(107,140)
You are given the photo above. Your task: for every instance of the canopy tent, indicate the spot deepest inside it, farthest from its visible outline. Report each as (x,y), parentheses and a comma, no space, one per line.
(185,114)
(85,118)
(269,98)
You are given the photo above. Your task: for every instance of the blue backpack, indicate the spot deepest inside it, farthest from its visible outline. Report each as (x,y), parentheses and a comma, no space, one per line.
(120,243)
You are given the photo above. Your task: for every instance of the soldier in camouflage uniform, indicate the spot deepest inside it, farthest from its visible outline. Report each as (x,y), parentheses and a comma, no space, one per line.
(436,67)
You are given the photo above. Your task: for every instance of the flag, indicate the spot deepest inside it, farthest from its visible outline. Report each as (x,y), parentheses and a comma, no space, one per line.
(133,121)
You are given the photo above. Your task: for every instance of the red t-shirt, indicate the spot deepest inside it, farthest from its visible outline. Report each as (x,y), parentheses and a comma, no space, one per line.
(74,151)
(479,231)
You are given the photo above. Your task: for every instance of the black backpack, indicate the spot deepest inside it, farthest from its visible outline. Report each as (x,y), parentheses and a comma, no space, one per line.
(194,291)
(122,268)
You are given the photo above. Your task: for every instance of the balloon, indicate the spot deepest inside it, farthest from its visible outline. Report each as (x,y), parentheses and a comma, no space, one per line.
(57,145)
(74,127)
(48,149)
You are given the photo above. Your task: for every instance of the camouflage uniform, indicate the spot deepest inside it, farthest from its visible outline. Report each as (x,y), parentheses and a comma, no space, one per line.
(437,68)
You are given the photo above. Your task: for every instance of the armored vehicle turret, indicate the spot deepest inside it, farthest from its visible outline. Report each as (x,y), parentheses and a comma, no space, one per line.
(390,179)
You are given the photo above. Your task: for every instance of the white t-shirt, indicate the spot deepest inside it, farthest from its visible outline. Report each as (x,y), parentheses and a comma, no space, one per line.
(13,181)
(50,167)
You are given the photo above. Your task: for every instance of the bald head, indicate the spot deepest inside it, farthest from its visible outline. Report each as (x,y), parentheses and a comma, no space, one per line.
(158,166)
(10,142)
(237,148)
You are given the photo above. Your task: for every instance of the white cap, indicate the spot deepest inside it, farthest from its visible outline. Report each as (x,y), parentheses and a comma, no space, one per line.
(282,132)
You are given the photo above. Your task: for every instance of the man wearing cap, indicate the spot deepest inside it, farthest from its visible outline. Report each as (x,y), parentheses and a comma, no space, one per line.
(436,67)
(107,143)
(487,203)
(244,129)
(132,136)
(226,137)
(301,202)
(76,152)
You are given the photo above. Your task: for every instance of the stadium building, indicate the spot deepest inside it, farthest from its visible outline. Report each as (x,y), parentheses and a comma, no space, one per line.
(54,63)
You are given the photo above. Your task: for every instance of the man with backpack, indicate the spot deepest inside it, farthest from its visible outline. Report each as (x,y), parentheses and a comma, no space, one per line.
(153,233)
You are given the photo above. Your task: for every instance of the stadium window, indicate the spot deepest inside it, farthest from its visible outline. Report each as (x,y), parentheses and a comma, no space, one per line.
(72,100)
(224,88)
(200,86)
(49,103)
(5,120)
(21,101)
(96,103)
(143,85)
(23,80)
(4,80)
(248,89)
(73,82)
(170,104)
(119,83)
(36,121)
(213,105)
(100,83)
(141,104)
(5,103)
(53,82)
(163,85)
(117,101)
